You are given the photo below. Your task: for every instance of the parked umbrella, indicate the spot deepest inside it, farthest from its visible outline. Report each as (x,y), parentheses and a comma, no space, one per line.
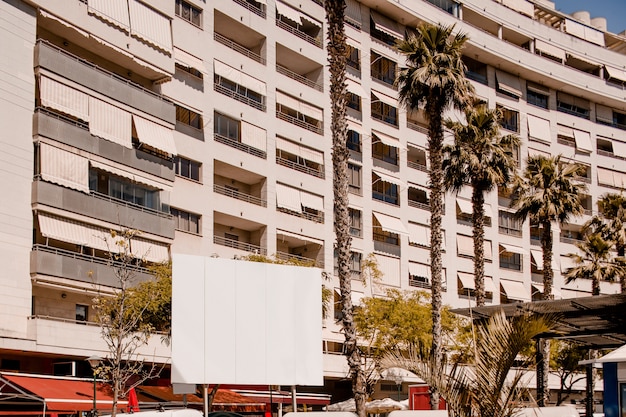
(133,402)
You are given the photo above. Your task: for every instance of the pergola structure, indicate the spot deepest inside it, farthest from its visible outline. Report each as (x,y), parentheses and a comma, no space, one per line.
(596,322)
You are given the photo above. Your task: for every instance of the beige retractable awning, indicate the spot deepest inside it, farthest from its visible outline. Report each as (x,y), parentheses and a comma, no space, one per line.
(515,290)
(150,25)
(386,25)
(509,83)
(513,249)
(154,135)
(539,128)
(390,224)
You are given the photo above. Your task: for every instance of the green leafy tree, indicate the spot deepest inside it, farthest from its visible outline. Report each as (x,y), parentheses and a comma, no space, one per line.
(434,78)
(612,208)
(482,158)
(480,389)
(547,192)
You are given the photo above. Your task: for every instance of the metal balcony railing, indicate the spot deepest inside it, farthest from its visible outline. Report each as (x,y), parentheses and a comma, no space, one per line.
(238,145)
(419,205)
(317,218)
(417,165)
(319,173)
(239,97)
(235,244)
(305,125)
(299,78)
(238,48)
(254,9)
(308,38)
(284,256)
(88,258)
(220,189)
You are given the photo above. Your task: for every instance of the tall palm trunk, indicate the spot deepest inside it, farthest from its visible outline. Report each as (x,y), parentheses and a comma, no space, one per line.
(621,248)
(337,56)
(478,232)
(543,362)
(435,144)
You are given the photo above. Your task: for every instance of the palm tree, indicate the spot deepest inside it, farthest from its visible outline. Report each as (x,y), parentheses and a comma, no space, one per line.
(595,262)
(480,389)
(613,209)
(337,57)
(547,192)
(435,79)
(483,159)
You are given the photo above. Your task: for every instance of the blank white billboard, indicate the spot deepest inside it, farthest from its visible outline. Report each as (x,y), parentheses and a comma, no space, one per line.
(239,322)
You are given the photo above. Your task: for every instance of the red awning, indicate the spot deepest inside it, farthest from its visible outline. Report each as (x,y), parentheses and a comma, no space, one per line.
(60,394)
(225,400)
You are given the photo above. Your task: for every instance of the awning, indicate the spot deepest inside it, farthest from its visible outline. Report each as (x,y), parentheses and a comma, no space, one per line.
(515,290)
(150,251)
(113,11)
(521,6)
(254,136)
(387,178)
(224,400)
(390,224)
(390,268)
(149,25)
(419,234)
(65,395)
(617,73)
(355,88)
(305,239)
(575,28)
(539,129)
(549,49)
(619,148)
(294,15)
(154,135)
(583,59)
(288,198)
(513,249)
(618,355)
(556,291)
(464,245)
(605,177)
(311,201)
(583,140)
(125,174)
(467,280)
(604,114)
(386,25)
(566,263)
(64,98)
(64,168)
(390,101)
(465,206)
(386,139)
(299,106)
(353,11)
(187,60)
(419,270)
(509,83)
(110,122)
(239,77)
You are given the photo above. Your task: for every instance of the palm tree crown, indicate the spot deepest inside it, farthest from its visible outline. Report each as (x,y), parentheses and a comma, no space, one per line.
(483,159)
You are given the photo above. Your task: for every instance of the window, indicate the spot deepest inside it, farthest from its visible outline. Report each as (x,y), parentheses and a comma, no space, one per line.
(604,147)
(227,127)
(188,12)
(354,58)
(355,264)
(186,221)
(476,70)
(354,141)
(619,120)
(510,119)
(187,168)
(354,179)
(385,191)
(239,92)
(536,98)
(382,68)
(384,152)
(354,101)
(381,235)
(123,189)
(418,198)
(572,105)
(384,112)
(188,117)
(81,312)
(510,260)
(190,70)
(508,224)
(356,222)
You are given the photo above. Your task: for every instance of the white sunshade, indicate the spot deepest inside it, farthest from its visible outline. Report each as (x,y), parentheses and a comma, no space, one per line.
(465,206)
(312,155)
(253,136)
(306,239)
(550,49)
(155,135)
(616,73)
(386,139)
(583,140)
(419,270)
(618,355)
(239,77)
(390,224)
(296,149)
(149,25)
(566,131)
(110,122)
(64,168)
(386,25)
(353,11)
(515,290)
(583,58)
(566,263)
(150,251)
(521,6)
(188,60)
(575,28)
(467,280)
(537,257)
(539,128)
(288,146)
(288,198)
(619,148)
(594,35)
(288,12)
(299,106)
(556,291)
(385,99)
(513,249)
(390,268)
(113,11)
(311,201)
(387,178)
(64,98)
(419,234)
(355,88)
(509,83)
(133,177)
(605,177)
(604,113)
(71,231)
(464,245)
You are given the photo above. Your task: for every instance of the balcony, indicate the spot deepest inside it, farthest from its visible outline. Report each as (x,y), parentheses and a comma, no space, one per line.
(239,37)
(302,249)
(237,236)
(85,269)
(103,207)
(229,192)
(314,217)
(242,246)
(312,125)
(233,143)
(238,48)
(253,6)
(85,73)
(238,93)
(299,78)
(388,248)
(310,33)
(313,171)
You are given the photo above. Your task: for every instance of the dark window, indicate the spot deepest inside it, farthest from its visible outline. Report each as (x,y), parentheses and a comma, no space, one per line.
(188,12)
(382,68)
(123,189)
(81,312)
(354,141)
(187,168)
(354,179)
(384,112)
(572,105)
(190,70)
(384,191)
(227,126)
(354,101)
(537,99)
(356,222)
(188,117)
(186,221)
(510,119)
(384,152)
(354,59)
(510,260)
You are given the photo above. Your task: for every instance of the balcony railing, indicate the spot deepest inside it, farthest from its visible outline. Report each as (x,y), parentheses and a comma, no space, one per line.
(284,256)
(417,165)
(235,244)
(308,38)
(390,120)
(241,146)
(89,258)
(239,97)
(317,218)
(220,189)
(293,120)
(509,231)
(299,78)
(254,9)
(417,127)
(570,240)
(419,205)
(120,202)
(238,48)
(319,173)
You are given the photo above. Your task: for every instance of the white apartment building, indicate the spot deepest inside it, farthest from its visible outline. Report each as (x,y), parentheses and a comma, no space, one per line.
(206,125)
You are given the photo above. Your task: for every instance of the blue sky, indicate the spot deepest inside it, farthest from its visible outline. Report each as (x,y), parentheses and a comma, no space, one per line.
(613,10)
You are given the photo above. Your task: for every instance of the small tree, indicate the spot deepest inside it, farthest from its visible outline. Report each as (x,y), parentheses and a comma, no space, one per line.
(124,328)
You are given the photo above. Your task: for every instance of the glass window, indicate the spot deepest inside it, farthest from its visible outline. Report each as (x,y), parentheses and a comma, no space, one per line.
(188,12)
(187,168)
(354,141)
(188,117)
(81,312)
(186,221)
(226,126)
(510,119)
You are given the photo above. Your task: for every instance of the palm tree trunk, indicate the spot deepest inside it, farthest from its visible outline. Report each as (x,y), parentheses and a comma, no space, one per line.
(543,362)
(478,230)
(435,144)
(337,56)
(621,249)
